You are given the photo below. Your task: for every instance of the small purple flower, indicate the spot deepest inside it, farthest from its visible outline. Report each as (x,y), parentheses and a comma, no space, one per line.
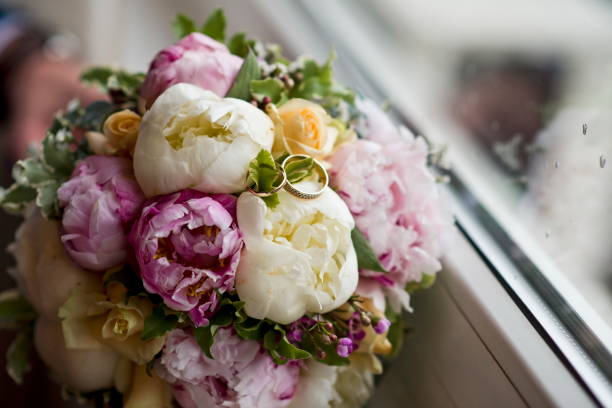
(345,347)
(382,326)
(100,200)
(295,332)
(188,247)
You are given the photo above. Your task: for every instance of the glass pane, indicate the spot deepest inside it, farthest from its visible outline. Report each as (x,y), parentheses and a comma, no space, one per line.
(520,93)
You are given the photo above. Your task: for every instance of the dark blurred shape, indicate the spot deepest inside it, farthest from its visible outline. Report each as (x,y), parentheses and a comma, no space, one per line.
(504,102)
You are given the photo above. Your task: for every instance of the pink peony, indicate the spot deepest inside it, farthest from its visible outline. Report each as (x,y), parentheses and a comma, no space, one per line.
(241,374)
(100,199)
(396,204)
(196,59)
(188,246)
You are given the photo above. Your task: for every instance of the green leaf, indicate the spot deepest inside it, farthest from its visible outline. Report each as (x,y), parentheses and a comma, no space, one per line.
(270,87)
(298,170)
(97,76)
(18,356)
(396,332)
(263,172)
(17,197)
(249,71)
(158,323)
(281,350)
(47,199)
(214,27)
(205,339)
(366,258)
(239,45)
(251,329)
(31,172)
(56,155)
(14,309)
(95,114)
(426,282)
(182,26)
(271,201)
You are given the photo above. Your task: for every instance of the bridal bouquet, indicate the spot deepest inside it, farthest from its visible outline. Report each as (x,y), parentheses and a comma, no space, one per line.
(229,229)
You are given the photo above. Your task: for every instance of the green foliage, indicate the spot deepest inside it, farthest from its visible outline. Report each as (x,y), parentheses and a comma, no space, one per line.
(15,310)
(214,26)
(95,114)
(18,355)
(317,84)
(240,45)
(366,258)
(396,332)
(273,88)
(121,85)
(298,170)
(37,178)
(182,26)
(159,322)
(249,71)
(263,175)
(280,349)
(426,282)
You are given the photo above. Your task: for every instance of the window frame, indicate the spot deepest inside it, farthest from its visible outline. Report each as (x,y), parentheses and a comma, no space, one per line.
(558,313)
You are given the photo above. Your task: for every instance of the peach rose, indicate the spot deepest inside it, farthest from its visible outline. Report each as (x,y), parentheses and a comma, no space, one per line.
(303,127)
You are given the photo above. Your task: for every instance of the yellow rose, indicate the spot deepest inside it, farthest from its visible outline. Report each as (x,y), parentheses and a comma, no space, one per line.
(121,130)
(303,127)
(93,320)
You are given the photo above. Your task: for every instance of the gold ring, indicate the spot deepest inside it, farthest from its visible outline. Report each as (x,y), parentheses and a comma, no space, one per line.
(290,188)
(274,190)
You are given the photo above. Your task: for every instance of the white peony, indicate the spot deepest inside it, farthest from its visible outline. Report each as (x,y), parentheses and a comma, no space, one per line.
(191,138)
(322,385)
(298,257)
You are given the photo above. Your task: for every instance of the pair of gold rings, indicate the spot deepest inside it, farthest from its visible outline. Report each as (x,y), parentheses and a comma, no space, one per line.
(290,188)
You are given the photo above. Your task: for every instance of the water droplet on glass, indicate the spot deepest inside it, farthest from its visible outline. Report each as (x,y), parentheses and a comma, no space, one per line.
(602,161)
(556,165)
(584,128)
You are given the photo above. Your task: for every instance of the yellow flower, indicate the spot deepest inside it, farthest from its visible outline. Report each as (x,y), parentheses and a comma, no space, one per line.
(93,320)
(303,127)
(121,130)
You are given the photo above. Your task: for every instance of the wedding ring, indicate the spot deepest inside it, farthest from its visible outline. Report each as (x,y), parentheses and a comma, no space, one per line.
(274,190)
(291,189)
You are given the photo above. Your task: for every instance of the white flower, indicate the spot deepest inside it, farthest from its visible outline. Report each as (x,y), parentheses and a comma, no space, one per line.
(323,386)
(44,272)
(298,257)
(191,138)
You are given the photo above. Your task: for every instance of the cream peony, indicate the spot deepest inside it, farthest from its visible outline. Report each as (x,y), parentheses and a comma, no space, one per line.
(191,138)
(298,257)
(44,272)
(81,370)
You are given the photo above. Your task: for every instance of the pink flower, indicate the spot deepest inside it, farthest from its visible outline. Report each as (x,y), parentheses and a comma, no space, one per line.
(100,199)
(396,204)
(241,374)
(188,246)
(196,59)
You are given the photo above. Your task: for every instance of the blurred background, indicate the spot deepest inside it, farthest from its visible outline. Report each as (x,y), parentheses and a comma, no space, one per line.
(519,92)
